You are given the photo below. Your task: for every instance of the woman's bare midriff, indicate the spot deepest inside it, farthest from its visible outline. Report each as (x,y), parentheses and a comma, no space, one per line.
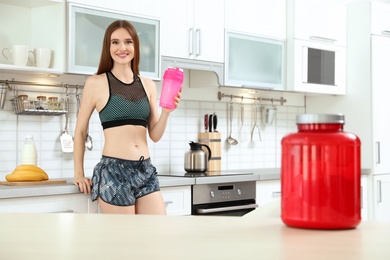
(126,142)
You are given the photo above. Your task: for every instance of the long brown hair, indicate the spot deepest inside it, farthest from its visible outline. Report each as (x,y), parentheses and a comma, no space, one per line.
(106,62)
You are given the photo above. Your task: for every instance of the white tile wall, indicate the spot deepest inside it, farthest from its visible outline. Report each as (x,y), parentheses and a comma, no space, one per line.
(167,155)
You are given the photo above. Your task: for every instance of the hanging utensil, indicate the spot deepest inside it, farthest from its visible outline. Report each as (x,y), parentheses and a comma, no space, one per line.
(88,139)
(268,114)
(230,139)
(66,138)
(255,110)
(241,133)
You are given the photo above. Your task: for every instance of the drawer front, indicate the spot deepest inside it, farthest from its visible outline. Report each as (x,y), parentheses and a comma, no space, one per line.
(177,200)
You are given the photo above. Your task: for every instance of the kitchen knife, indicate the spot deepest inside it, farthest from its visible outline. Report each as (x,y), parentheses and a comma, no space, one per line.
(215,122)
(210,123)
(206,122)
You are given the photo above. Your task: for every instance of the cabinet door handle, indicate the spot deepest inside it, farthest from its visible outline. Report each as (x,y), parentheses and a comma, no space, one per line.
(191,41)
(224,209)
(167,203)
(378,152)
(379,184)
(386,32)
(276,194)
(323,39)
(64,211)
(198,47)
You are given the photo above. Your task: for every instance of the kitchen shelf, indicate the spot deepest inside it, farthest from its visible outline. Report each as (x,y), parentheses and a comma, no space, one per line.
(36,108)
(29,69)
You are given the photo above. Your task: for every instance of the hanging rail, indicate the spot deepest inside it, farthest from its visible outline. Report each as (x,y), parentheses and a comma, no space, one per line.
(281,100)
(14,82)
(11,85)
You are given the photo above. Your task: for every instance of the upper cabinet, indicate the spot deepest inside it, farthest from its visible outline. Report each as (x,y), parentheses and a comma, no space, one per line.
(193,29)
(255,33)
(254,62)
(319,22)
(148,8)
(380,19)
(86,31)
(34,24)
(266,18)
(316,47)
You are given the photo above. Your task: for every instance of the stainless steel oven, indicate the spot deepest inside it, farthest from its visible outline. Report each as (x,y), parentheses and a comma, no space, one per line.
(224,199)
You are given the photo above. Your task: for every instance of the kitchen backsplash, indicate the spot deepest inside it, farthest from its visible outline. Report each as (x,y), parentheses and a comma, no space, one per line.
(167,155)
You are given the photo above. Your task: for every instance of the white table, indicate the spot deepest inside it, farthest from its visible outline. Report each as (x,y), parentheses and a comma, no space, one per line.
(96,236)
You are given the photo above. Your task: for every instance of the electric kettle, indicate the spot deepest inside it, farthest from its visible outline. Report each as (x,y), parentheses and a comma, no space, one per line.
(195,159)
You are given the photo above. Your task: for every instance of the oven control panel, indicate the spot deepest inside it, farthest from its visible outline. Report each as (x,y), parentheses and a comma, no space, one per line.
(210,193)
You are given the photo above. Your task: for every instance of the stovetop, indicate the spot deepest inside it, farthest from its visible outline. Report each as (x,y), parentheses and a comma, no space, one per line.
(205,174)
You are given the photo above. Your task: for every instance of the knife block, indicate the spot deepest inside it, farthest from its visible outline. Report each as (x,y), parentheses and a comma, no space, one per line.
(212,140)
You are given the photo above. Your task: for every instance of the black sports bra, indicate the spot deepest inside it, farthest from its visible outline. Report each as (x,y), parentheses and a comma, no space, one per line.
(128,104)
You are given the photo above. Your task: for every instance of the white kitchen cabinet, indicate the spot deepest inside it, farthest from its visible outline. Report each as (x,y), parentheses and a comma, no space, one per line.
(144,7)
(316,49)
(177,200)
(380,64)
(380,18)
(193,29)
(267,191)
(254,62)
(38,24)
(86,31)
(319,21)
(369,43)
(266,18)
(382,197)
(75,203)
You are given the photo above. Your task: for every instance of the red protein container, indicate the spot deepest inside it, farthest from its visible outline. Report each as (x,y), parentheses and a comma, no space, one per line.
(321,174)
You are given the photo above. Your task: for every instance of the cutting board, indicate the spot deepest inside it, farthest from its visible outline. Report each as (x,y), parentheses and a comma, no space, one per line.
(32,183)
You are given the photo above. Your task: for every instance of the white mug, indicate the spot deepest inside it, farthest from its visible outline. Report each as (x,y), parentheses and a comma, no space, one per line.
(18,54)
(42,57)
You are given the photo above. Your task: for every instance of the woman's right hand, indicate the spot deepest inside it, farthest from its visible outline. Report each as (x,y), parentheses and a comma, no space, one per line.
(84,184)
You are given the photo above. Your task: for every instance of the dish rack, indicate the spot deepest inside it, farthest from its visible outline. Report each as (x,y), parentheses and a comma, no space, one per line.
(28,107)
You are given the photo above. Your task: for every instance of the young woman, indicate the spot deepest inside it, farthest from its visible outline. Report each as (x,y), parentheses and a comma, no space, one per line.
(124,181)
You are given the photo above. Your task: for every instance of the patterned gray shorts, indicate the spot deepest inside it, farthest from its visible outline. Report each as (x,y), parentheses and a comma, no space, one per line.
(120,182)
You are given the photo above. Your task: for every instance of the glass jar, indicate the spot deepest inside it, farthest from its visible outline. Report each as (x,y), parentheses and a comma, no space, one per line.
(54,104)
(320,174)
(23,102)
(42,103)
(29,151)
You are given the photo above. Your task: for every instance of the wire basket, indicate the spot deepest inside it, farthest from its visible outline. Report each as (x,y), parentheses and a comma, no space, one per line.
(28,107)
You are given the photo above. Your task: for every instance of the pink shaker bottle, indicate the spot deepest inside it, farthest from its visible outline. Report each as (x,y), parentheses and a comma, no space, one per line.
(172,81)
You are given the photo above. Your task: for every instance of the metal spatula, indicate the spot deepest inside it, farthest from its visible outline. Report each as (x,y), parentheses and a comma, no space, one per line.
(66,138)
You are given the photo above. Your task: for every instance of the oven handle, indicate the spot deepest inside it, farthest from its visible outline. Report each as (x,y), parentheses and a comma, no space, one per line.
(222,209)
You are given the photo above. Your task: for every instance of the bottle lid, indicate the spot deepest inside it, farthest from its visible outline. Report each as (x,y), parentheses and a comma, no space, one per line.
(29,136)
(320,119)
(174,74)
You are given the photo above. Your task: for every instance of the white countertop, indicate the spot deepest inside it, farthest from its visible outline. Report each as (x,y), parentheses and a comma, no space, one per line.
(98,236)
(165,181)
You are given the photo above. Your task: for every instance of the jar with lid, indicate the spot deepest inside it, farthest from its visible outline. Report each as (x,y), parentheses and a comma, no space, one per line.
(320,174)
(23,102)
(54,104)
(42,103)
(29,151)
